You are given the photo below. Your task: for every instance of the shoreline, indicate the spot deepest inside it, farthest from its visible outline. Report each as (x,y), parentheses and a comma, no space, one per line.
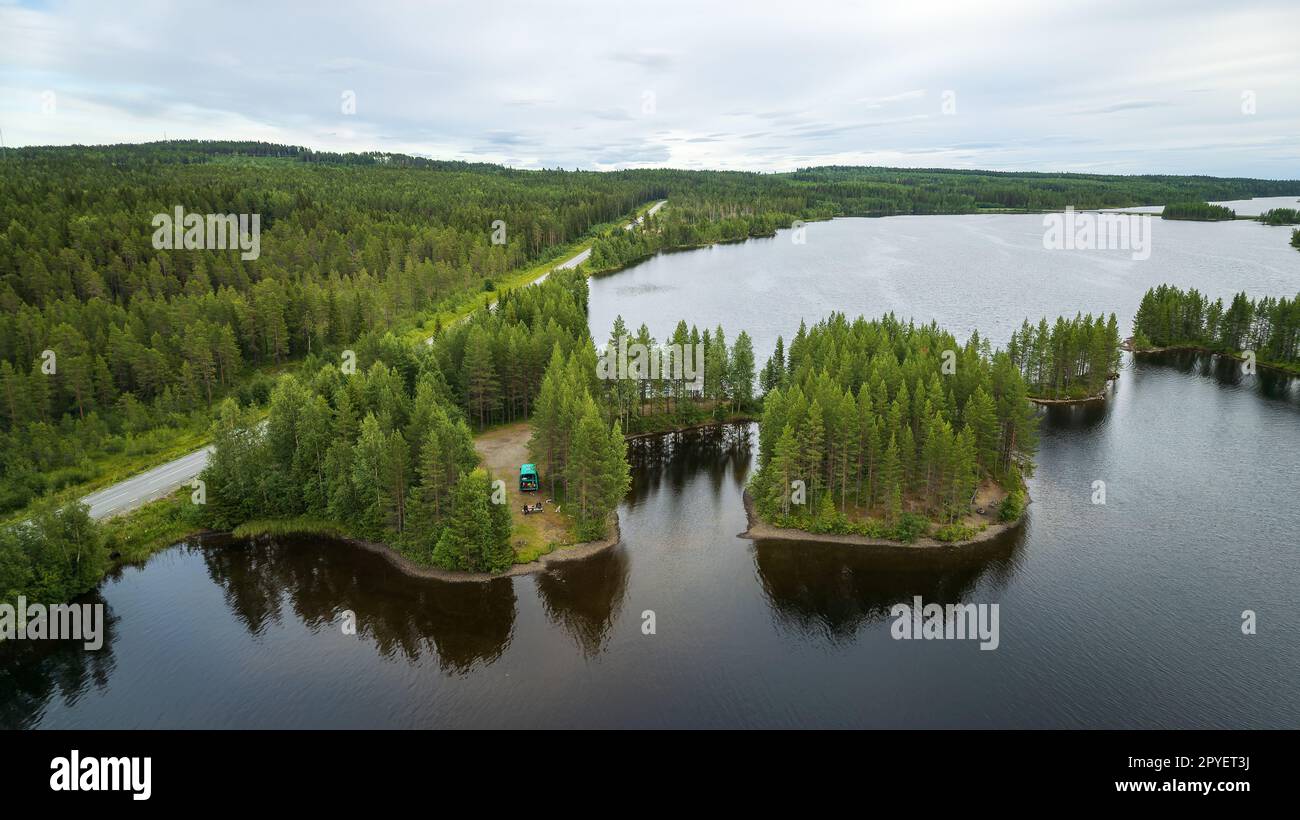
(572,552)
(761,530)
(705,425)
(1102,396)
(1150,351)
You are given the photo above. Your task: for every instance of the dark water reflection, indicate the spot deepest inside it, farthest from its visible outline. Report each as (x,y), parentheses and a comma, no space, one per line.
(264,581)
(831,591)
(1123,614)
(1228,372)
(33,674)
(586,597)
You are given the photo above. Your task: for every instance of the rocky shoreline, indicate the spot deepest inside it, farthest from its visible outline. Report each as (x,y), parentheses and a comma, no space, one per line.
(761,530)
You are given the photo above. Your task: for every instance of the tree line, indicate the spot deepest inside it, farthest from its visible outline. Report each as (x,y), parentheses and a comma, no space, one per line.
(1072,358)
(1197,211)
(1280,216)
(1171,317)
(688,377)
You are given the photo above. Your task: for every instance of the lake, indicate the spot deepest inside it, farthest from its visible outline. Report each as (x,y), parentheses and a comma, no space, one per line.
(985,272)
(1123,614)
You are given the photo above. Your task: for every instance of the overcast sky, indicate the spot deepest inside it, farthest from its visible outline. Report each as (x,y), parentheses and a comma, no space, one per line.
(1128,87)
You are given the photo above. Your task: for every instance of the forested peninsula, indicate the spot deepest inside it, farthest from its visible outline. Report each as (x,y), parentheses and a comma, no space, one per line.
(116,355)
(1265,330)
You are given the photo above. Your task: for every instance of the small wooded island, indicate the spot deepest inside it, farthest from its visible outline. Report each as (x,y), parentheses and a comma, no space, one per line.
(1073,362)
(888,433)
(1197,212)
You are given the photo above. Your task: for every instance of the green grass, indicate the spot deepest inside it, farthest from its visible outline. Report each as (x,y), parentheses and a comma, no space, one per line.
(114,467)
(301,525)
(533,548)
(957,532)
(143,531)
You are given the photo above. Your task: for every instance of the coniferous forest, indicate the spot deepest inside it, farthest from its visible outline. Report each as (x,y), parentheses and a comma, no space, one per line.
(1268,326)
(1197,211)
(386,453)
(1280,216)
(116,355)
(1070,359)
(888,427)
(148,342)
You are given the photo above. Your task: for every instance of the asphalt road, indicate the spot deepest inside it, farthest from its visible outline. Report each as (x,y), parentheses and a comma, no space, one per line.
(579,258)
(147,486)
(573,261)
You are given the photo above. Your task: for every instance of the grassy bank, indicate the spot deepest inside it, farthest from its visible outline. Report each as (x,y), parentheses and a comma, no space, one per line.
(457,308)
(134,536)
(112,468)
(529,539)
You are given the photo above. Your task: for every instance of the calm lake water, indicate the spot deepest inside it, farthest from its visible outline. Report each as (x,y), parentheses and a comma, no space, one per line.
(985,272)
(1115,615)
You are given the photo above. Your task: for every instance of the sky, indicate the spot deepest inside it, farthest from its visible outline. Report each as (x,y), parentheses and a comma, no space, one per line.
(1142,86)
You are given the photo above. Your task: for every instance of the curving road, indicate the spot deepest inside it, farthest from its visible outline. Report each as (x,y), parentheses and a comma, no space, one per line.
(573,261)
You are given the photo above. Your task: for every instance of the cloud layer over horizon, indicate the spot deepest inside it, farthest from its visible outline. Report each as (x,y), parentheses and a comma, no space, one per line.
(1153,87)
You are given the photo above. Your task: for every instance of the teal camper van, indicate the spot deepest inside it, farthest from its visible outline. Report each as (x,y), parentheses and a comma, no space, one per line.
(528,478)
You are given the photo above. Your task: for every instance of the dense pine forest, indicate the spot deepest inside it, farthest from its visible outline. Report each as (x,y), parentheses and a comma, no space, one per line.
(147,342)
(1268,326)
(1280,216)
(1070,359)
(1197,211)
(687,378)
(115,354)
(386,453)
(889,426)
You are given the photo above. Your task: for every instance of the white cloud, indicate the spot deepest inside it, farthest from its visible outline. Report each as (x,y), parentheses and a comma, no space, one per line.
(1126,87)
